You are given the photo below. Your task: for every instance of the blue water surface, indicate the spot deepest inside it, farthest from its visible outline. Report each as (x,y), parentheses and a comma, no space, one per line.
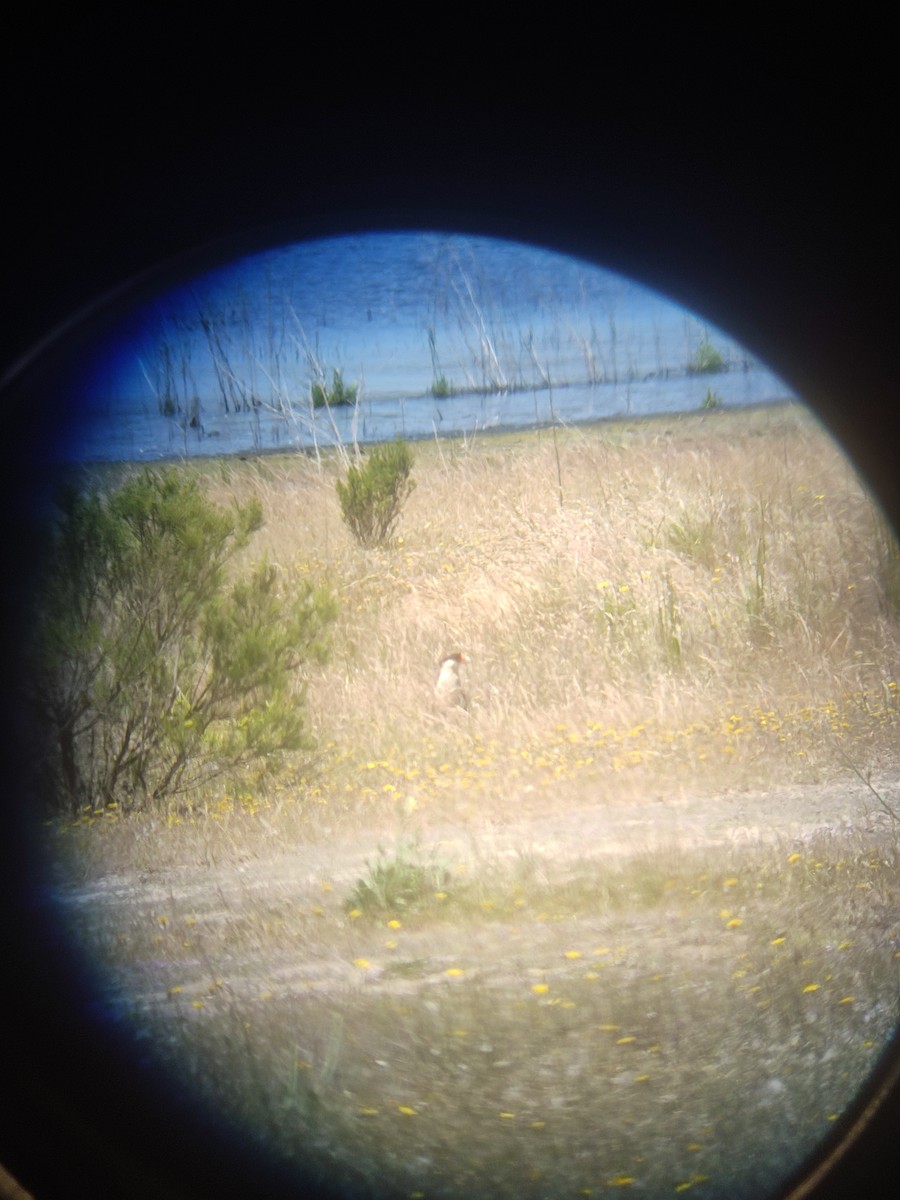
(439,334)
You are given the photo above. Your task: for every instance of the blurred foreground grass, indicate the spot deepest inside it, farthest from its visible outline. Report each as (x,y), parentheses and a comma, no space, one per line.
(679,1019)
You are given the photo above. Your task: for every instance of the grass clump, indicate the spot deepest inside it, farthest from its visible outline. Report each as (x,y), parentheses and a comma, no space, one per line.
(711,401)
(707,360)
(338,394)
(397,883)
(441,388)
(373,495)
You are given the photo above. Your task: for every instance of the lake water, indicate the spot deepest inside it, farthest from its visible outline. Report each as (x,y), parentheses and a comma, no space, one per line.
(440,335)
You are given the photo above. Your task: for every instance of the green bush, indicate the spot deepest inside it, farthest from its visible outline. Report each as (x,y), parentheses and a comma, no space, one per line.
(373,494)
(707,360)
(339,392)
(157,668)
(397,884)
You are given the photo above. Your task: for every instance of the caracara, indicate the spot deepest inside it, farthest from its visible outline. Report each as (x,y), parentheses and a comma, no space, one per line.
(449,688)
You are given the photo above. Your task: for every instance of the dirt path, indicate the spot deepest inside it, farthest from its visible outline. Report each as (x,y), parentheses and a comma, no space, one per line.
(572,835)
(276,925)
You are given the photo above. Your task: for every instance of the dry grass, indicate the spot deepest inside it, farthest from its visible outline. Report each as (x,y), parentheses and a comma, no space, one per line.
(698,572)
(676,608)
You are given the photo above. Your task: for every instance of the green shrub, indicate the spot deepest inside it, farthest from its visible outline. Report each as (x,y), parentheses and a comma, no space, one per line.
(339,392)
(707,360)
(711,400)
(156,669)
(441,388)
(373,494)
(397,884)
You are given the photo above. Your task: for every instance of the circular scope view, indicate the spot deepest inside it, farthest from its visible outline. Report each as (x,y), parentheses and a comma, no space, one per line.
(467,692)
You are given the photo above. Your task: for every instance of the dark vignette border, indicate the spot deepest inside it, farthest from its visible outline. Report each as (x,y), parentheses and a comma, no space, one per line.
(768,222)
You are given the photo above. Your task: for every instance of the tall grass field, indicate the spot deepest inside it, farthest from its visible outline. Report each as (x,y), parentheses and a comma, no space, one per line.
(628,920)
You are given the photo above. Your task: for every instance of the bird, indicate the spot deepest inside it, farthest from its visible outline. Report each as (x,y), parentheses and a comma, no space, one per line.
(449,689)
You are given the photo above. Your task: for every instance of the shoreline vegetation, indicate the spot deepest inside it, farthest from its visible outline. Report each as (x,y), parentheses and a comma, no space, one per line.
(655,612)
(316,449)
(293,340)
